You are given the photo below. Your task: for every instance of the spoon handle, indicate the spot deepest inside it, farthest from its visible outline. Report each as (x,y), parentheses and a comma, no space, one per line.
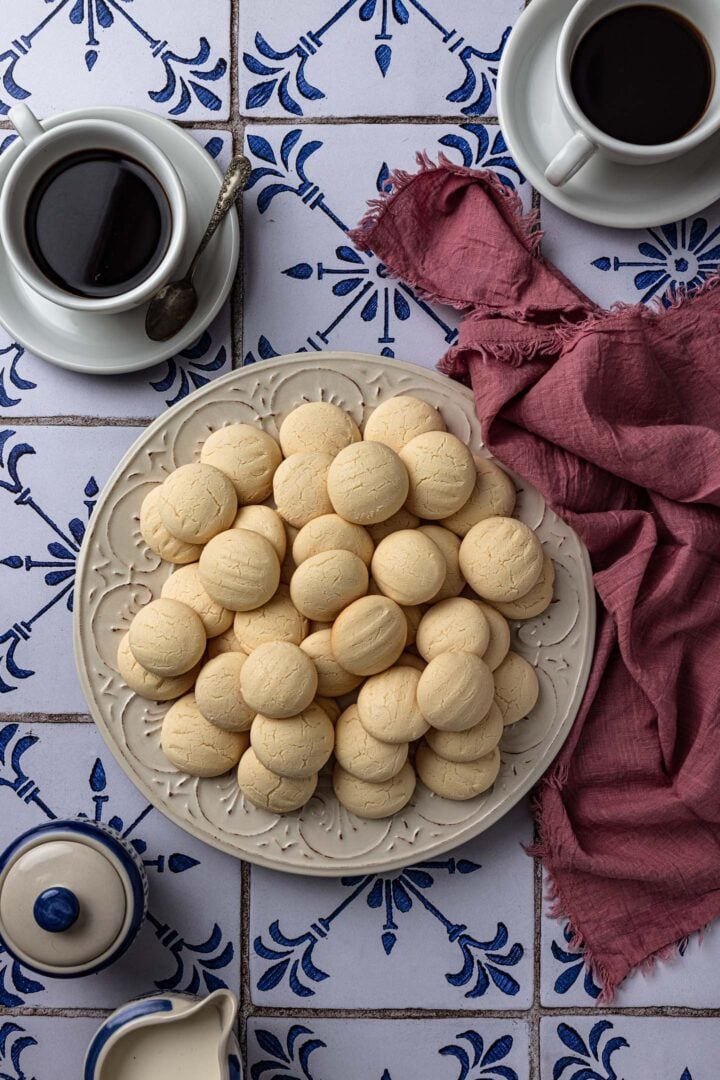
(233,184)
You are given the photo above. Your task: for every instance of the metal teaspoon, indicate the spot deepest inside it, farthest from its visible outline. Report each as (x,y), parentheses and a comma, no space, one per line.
(174,304)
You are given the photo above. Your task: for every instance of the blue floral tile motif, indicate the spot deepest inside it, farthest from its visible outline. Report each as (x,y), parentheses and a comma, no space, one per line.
(481,962)
(293,1053)
(49,483)
(452,932)
(203,359)
(12,382)
(573,966)
(190,965)
(291,58)
(56,563)
(672,258)
(14,1042)
(44,1047)
(187,81)
(382,1051)
(628,1048)
(355,286)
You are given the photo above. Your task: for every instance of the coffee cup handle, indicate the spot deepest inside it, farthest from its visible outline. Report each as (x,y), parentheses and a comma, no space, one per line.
(25,123)
(575,153)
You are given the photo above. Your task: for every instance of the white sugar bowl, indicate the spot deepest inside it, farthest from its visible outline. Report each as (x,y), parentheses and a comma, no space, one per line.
(73,895)
(168,1037)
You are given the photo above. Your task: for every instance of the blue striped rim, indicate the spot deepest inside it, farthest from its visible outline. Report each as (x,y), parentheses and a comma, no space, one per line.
(119,1020)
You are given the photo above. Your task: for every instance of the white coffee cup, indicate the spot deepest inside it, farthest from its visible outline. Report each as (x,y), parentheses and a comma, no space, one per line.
(43,149)
(588,139)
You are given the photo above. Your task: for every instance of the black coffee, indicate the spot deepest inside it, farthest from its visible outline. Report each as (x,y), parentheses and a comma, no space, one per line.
(97,223)
(643,74)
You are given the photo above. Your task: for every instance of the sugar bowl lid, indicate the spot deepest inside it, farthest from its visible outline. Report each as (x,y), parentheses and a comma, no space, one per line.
(72,897)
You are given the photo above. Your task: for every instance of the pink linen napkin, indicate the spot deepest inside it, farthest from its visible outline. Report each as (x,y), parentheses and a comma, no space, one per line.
(615,417)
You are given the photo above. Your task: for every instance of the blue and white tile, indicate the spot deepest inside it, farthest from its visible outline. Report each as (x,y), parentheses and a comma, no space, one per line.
(372,57)
(633,265)
(50,478)
(455,932)
(30,386)
(306,287)
(190,941)
(44,1047)
(690,978)
(167,56)
(634,1048)
(479,1049)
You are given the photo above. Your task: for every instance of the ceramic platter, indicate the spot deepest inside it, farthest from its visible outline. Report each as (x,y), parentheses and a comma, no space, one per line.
(118,575)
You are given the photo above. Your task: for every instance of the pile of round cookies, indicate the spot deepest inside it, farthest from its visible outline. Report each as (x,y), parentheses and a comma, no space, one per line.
(338,593)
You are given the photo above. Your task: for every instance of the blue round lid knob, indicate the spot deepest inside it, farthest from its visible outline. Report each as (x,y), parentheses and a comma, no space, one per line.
(56,910)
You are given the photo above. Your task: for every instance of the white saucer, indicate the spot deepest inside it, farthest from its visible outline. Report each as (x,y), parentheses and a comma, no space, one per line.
(535,128)
(112,344)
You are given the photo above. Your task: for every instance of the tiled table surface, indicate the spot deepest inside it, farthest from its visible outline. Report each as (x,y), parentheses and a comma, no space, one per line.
(450,970)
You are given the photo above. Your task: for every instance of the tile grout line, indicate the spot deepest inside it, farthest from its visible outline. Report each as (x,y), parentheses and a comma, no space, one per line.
(246,1005)
(314,121)
(672,1012)
(238,291)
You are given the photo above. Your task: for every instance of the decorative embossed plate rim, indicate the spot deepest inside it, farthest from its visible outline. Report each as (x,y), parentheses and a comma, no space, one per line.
(116,575)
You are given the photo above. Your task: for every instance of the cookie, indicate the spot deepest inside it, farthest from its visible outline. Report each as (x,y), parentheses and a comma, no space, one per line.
(317,427)
(535,601)
(403,519)
(408,567)
(268,791)
(267,522)
(185,585)
(364,756)
(399,419)
(374,800)
(329,706)
(449,545)
(333,679)
(278,620)
(326,583)
(501,559)
(288,567)
(468,745)
(330,533)
(197,502)
(454,779)
(157,537)
(454,625)
(499,644)
(455,691)
(218,695)
(248,456)
(369,635)
(297,747)
(516,688)
(278,680)
(408,659)
(300,488)
(239,569)
(145,683)
(413,614)
(367,483)
(388,708)
(194,745)
(441,473)
(492,496)
(167,637)
(223,643)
